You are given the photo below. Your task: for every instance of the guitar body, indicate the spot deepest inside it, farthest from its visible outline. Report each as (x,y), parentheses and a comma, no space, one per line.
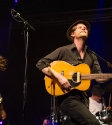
(53,87)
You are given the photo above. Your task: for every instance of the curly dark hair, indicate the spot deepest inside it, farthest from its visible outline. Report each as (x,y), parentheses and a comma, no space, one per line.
(3,63)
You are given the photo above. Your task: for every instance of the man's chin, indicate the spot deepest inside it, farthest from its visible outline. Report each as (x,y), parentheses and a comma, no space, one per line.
(84,37)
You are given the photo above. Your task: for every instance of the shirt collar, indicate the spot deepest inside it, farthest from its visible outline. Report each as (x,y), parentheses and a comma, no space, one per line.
(73,46)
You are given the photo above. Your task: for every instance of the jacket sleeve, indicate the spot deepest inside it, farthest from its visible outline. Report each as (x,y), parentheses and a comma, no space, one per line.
(45,61)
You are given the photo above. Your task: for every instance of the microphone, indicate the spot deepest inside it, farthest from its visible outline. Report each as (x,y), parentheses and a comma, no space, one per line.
(16,14)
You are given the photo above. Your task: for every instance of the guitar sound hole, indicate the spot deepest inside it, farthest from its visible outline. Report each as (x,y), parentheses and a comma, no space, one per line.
(74,77)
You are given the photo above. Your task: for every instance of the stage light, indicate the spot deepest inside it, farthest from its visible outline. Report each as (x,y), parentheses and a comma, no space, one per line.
(15,1)
(1,122)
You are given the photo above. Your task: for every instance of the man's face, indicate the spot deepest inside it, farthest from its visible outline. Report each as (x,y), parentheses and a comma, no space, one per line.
(46,122)
(97,98)
(80,31)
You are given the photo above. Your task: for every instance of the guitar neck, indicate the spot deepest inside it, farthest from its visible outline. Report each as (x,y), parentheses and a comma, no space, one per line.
(96,76)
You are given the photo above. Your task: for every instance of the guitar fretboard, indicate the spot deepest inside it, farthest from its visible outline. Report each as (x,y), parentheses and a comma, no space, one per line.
(96,76)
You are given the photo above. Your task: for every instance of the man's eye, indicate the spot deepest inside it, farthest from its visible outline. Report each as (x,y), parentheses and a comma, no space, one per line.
(78,27)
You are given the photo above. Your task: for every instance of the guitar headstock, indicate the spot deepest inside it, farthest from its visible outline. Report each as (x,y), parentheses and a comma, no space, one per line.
(3,63)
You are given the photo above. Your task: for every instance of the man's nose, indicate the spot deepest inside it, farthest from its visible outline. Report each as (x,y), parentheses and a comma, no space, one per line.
(83,28)
(99,97)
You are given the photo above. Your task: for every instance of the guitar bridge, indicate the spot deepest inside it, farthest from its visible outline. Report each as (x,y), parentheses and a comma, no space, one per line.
(62,73)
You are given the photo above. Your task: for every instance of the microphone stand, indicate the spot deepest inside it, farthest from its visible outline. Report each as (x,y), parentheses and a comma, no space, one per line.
(26,35)
(53,101)
(108,63)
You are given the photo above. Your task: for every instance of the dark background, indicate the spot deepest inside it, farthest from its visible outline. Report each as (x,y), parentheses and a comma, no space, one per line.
(50,19)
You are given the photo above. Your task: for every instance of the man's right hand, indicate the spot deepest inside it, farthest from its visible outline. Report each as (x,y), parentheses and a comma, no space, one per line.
(64,82)
(3,115)
(108,108)
(61,79)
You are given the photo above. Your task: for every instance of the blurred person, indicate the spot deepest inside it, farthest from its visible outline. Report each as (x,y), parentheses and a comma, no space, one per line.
(46,122)
(96,101)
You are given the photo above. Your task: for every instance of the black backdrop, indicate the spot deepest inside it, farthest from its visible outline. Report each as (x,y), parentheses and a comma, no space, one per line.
(41,42)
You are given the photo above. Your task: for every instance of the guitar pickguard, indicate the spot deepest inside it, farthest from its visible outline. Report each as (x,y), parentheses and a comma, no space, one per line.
(74,84)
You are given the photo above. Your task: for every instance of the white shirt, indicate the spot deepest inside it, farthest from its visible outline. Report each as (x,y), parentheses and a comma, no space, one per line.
(94,106)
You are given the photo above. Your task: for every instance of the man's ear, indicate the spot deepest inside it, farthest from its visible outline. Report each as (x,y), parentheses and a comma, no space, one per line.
(72,34)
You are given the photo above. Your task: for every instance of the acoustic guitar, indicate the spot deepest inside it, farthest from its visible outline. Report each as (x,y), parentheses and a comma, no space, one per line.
(79,77)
